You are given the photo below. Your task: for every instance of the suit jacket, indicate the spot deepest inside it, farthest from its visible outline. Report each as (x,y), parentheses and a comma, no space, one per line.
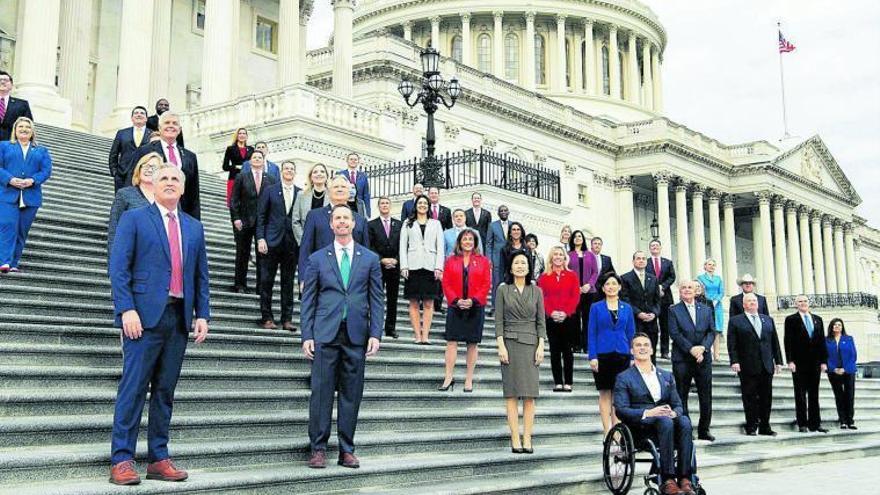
(632,397)
(153,125)
(140,267)
(479,279)
(362,187)
(607,265)
(244,203)
(495,241)
(444,215)
(753,354)
(123,150)
(301,208)
(686,334)
(386,246)
(407,209)
(643,299)
(324,296)
(232,160)
(736,305)
(604,335)
(842,355)
(481,224)
(274,224)
(418,252)
(127,198)
(13,164)
(270,167)
(666,278)
(317,233)
(450,235)
(801,349)
(15,108)
(190,202)
(590,273)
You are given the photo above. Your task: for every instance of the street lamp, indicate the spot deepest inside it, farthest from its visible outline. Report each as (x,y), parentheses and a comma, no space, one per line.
(655,229)
(433,92)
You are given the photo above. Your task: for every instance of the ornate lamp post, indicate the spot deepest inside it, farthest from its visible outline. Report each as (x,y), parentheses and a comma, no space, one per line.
(434,91)
(655,229)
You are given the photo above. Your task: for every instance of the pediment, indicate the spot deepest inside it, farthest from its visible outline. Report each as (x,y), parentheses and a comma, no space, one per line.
(812,162)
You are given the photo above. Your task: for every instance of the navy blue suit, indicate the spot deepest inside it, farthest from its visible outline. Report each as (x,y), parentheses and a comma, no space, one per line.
(140,276)
(271,169)
(15,221)
(632,398)
(685,333)
(409,206)
(275,226)
(15,108)
(317,234)
(362,188)
(340,343)
(756,357)
(122,153)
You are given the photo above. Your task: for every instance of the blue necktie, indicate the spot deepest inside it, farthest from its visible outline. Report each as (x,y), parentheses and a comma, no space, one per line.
(808,322)
(345,271)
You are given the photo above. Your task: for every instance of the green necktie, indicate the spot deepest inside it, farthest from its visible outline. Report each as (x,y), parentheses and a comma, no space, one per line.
(345,271)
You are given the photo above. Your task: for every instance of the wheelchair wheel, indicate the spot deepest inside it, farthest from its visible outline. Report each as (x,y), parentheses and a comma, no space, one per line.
(652,491)
(619,460)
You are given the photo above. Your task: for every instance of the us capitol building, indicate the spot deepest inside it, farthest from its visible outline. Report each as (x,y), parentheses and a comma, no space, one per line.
(561,118)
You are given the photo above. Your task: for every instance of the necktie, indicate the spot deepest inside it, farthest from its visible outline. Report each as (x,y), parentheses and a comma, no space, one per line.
(641,278)
(808,323)
(657,268)
(504,229)
(288,199)
(172,156)
(2,108)
(387,224)
(354,177)
(345,271)
(756,322)
(138,136)
(599,263)
(258,181)
(434,208)
(693,312)
(176,261)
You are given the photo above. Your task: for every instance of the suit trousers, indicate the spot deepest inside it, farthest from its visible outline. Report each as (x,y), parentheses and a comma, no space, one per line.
(689,371)
(806,397)
(120,182)
(338,362)
(757,398)
(287,258)
(561,357)
(582,318)
(664,327)
(391,281)
(153,361)
(15,223)
(672,434)
(844,388)
(245,239)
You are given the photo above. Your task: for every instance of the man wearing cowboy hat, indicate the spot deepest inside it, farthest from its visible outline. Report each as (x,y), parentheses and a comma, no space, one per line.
(747,284)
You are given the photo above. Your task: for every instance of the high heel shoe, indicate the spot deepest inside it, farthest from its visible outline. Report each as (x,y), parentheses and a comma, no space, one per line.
(515,450)
(449,387)
(529,450)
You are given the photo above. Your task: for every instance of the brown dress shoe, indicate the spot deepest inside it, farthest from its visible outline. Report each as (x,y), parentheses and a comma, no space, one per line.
(685,487)
(670,487)
(318,460)
(123,473)
(165,470)
(288,325)
(269,325)
(347,459)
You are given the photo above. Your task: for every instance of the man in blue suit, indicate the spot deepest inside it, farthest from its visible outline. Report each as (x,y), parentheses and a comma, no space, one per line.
(692,330)
(125,145)
(495,242)
(270,166)
(317,232)
(360,181)
(342,321)
(451,235)
(159,277)
(646,399)
(409,206)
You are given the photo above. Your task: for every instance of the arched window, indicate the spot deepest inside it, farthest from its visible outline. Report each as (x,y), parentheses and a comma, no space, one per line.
(621,66)
(455,49)
(511,57)
(484,53)
(540,61)
(606,72)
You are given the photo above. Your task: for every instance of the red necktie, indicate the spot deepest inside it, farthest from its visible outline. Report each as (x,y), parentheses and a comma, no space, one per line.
(657,268)
(435,212)
(172,156)
(2,108)
(354,177)
(176,288)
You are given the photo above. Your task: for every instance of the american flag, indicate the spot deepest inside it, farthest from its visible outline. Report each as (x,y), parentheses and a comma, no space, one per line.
(784,45)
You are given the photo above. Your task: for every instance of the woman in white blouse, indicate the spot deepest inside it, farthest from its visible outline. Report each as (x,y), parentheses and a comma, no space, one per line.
(421,264)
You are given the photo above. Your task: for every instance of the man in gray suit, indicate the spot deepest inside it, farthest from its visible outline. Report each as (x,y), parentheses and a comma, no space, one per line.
(342,319)
(495,241)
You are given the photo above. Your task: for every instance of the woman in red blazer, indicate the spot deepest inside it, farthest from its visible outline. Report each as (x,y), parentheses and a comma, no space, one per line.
(236,153)
(467,277)
(561,297)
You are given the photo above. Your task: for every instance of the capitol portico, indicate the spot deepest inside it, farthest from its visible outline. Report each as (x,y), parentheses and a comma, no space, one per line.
(571,88)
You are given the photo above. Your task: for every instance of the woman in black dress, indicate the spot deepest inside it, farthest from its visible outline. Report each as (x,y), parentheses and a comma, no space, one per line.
(236,153)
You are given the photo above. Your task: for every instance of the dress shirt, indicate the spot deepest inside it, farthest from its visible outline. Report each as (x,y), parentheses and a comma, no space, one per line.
(386,224)
(652,382)
(258,178)
(477,212)
(288,196)
(164,212)
(692,310)
(641,275)
(658,265)
(24,149)
(435,211)
(504,228)
(808,323)
(134,135)
(177,155)
(339,247)
(755,319)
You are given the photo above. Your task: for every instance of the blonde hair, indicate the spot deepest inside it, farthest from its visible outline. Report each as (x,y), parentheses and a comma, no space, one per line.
(136,173)
(548,267)
(309,184)
(235,135)
(12,137)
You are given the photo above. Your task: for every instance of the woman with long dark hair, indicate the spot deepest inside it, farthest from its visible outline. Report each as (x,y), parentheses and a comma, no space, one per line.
(516,242)
(421,265)
(842,372)
(583,264)
(236,154)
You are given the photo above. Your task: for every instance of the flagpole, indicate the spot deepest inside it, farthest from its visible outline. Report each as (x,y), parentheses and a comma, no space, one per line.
(786,135)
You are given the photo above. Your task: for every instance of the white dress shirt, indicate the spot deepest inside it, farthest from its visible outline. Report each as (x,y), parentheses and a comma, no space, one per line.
(755,320)
(339,247)
(24,149)
(692,310)
(653,383)
(288,196)
(164,212)
(177,154)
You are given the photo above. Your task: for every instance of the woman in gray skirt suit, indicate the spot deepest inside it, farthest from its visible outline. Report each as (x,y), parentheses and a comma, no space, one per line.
(520,329)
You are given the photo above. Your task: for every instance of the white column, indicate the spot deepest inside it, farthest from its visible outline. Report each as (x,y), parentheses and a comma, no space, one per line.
(218,79)
(632,72)
(133,77)
(766,243)
(589,59)
(779,242)
(699,229)
(840,258)
(648,91)
(715,251)
(73,66)
(683,256)
(663,217)
(289,70)
(407,30)
(758,245)
(624,186)
(849,245)
(435,33)
(498,44)
(529,82)
(731,272)
(36,60)
(303,43)
(559,83)
(828,250)
(160,55)
(818,256)
(806,252)
(343,14)
(613,62)
(466,39)
(657,81)
(577,56)
(795,275)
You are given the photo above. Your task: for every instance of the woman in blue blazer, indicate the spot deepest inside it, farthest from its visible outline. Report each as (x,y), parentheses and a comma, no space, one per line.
(24,167)
(842,371)
(611,329)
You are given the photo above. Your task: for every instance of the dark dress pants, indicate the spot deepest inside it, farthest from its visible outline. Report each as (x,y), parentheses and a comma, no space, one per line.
(286,257)
(665,302)
(757,397)
(844,388)
(153,361)
(120,182)
(689,371)
(672,434)
(337,362)
(582,320)
(806,397)
(391,281)
(561,358)
(245,240)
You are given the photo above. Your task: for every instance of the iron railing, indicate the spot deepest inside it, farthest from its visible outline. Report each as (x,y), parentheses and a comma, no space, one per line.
(469,168)
(851,299)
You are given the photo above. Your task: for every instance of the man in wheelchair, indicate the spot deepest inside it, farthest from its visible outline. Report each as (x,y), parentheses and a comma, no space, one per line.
(646,400)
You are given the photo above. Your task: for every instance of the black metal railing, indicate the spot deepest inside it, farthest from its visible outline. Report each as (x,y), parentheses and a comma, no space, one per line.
(469,168)
(851,299)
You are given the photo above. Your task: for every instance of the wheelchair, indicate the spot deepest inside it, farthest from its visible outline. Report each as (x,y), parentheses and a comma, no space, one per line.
(620,453)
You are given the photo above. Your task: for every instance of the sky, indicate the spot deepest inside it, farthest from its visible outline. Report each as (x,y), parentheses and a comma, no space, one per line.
(721,75)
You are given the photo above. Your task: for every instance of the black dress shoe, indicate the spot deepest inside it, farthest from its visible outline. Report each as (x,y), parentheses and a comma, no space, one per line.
(391,334)
(528,451)
(706,436)
(767,432)
(803,429)
(751,433)
(236,289)
(820,430)
(852,427)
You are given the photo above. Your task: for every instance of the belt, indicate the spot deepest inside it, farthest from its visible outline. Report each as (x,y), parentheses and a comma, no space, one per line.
(174,300)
